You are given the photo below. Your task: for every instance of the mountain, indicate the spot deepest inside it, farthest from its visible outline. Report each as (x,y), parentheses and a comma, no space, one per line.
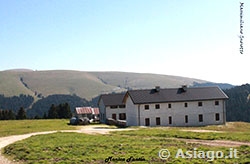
(36,91)
(83,84)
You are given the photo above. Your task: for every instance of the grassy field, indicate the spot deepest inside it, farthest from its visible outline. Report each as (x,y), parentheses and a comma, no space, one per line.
(14,127)
(142,145)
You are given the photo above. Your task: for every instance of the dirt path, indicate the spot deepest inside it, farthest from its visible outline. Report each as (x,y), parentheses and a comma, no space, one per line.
(223,143)
(203,131)
(219,143)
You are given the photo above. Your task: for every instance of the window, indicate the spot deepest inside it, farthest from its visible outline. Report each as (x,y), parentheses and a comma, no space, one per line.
(185,105)
(169,105)
(146,107)
(186,118)
(157,106)
(216,103)
(200,118)
(122,106)
(114,116)
(200,103)
(169,120)
(147,122)
(217,117)
(113,106)
(158,121)
(122,116)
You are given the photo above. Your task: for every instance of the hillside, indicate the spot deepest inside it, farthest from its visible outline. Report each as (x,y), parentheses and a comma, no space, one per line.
(82,84)
(10,84)
(37,90)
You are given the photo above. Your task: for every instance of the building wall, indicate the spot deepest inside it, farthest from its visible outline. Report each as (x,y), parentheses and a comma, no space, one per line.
(116,111)
(89,115)
(136,114)
(102,110)
(107,112)
(132,113)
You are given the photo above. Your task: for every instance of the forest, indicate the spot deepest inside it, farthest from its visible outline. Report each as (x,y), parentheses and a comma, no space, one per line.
(14,103)
(238,104)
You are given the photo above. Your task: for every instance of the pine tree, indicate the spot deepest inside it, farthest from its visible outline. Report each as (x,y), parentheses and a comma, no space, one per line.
(45,115)
(52,114)
(64,111)
(11,115)
(67,111)
(60,110)
(21,114)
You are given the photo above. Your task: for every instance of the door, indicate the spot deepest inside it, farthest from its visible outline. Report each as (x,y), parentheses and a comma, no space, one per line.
(114,116)
(147,122)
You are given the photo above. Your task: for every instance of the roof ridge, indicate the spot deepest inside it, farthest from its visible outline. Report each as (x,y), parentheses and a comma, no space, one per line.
(114,94)
(192,87)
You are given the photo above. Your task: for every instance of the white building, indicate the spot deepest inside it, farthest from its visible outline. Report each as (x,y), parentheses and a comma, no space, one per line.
(166,107)
(112,106)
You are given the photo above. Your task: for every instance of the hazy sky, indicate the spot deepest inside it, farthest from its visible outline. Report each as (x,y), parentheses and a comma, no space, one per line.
(198,39)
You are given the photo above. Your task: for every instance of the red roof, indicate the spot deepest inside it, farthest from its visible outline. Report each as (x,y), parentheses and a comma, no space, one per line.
(95,110)
(83,110)
(87,110)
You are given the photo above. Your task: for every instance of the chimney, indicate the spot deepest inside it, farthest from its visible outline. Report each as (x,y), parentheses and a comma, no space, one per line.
(184,88)
(157,88)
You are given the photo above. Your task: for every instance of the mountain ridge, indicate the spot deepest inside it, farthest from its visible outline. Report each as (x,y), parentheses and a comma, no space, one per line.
(86,84)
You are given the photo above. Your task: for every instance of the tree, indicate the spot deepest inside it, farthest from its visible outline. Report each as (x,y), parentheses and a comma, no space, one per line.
(43,105)
(65,111)
(21,114)
(45,115)
(11,115)
(52,112)
(60,111)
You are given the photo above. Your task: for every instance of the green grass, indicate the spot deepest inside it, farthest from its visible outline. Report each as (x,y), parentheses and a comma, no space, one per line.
(83,148)
(14,127)
(143,143)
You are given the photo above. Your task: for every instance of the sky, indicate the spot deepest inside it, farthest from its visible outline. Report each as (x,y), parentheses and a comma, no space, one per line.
(190,38)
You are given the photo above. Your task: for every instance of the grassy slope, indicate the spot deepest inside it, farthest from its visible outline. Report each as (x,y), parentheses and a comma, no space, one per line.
(65,82)
(84,84)
(10,84)
(143,80)
(145,142)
